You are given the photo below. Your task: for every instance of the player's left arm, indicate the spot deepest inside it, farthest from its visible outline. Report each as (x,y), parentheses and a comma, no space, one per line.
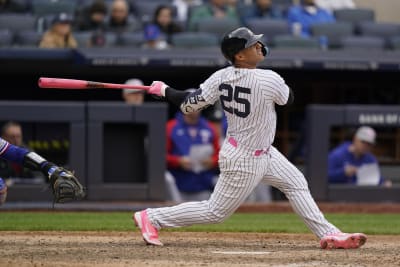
(187,101)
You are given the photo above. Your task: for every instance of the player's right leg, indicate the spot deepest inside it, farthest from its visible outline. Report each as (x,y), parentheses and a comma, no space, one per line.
(239,176)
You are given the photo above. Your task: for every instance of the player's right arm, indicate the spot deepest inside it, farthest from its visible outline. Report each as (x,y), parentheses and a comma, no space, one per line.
(282,93)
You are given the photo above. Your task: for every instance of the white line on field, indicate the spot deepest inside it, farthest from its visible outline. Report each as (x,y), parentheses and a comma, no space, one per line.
(242,252)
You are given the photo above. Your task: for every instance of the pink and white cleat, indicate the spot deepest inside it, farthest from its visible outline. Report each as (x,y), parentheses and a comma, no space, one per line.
(149,232)
(343,240)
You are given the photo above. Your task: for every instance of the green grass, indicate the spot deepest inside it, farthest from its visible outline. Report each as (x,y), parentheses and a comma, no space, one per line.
(239,222)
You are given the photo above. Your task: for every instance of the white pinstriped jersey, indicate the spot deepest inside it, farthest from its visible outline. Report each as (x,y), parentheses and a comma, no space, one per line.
(248,97)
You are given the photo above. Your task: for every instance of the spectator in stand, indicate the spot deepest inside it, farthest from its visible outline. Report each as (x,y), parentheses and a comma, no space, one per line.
(93,18)
(192,156)
(261,9)
(60,33)
(183,7)
(12,6)
(164,21)
(301,17)
(133,96)
(346,161)
(120,20)
(154,39)
(12,133)
(212,9)
(332,5)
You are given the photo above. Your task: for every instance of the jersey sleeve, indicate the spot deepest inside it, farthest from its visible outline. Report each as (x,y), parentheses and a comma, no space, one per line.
(203,97)
(277,88)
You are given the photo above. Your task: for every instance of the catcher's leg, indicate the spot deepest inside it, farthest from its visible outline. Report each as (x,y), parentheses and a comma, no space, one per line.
(3,191)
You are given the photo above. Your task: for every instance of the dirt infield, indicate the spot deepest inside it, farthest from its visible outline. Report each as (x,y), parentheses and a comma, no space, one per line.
(21,249)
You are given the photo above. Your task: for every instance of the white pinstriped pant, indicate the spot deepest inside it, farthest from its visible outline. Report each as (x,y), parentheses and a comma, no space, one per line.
(241,172)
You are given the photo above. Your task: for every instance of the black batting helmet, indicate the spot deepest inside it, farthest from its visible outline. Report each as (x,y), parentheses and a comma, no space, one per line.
(238,40)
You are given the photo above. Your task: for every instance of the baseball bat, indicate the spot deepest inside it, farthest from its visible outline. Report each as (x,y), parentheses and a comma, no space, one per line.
(82,84)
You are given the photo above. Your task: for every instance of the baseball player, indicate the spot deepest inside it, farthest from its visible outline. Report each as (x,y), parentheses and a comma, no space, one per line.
(64,184)
(248,96)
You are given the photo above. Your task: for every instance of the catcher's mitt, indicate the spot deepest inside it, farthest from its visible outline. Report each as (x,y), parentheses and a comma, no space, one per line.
(66,186)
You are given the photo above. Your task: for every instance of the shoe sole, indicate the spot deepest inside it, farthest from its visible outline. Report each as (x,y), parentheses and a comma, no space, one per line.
(353,241)
(138,223)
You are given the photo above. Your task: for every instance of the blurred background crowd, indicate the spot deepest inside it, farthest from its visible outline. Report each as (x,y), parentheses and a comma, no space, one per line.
(164,24)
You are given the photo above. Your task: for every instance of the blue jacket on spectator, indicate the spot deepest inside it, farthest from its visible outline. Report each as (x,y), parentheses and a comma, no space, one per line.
(339,157)
(180,138)
(300,14)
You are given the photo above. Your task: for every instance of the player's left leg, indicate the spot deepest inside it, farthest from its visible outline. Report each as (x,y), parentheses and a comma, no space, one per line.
(283,175)
(287,178)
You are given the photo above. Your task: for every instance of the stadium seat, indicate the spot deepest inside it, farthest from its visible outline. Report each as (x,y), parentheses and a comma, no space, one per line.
(135,39)
(6,38)
(283,4)
(28,38)
(394,42)
(354,15)
(295,42)
(384,30)
(17,22)
(333,31)
(194,39)
(363,43)
(269,27)
(217,26)
(47,7)
(83,38)
(144,10)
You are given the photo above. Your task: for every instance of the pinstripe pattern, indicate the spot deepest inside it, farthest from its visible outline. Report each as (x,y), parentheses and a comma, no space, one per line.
(241,168)
(3,145)
(266,87)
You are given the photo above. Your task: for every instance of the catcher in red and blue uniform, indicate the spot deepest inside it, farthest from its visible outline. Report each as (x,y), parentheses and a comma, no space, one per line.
(64,184)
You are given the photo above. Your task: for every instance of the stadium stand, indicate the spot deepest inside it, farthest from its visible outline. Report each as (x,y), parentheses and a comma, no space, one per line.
(28,38)
(217,26)
(134,39)
(144,10)
(6,38)
(363,43)
(354,15)
(383,30)
(17,22)
(394,42)
(283,4)
(295,42)
(83,38)
(269,27)
(48,7)
(334,32)
(194,39)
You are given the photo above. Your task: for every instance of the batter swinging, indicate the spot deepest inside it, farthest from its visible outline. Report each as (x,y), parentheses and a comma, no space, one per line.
(248,96)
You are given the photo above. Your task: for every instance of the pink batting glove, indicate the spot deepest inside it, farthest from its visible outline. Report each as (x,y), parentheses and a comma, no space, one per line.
(157,88)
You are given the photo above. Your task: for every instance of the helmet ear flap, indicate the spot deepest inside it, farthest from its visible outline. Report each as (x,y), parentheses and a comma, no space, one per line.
(265,50)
